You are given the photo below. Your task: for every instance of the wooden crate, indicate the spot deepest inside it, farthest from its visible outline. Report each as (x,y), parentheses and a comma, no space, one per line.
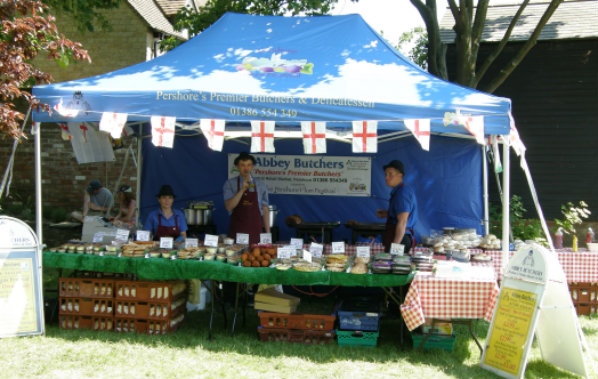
(162,291)
(85,322)
(296,321)
(86,306)
(149,310)
(86,287)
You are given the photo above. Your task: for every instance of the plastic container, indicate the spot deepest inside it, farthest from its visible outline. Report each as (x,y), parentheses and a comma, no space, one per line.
(86,287)
(86,307)
(308,337)
(434,341)
(296,321)
(148,310)
(149,291)
(85,322)
(359,314)
(356,338)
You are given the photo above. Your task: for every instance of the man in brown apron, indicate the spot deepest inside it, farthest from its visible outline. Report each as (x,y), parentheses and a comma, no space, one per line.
(246,200)
(401,215)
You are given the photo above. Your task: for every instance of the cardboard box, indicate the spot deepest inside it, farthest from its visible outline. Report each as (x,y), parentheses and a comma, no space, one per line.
(440,327)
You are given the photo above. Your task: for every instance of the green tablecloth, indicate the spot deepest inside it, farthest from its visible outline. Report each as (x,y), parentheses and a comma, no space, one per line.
(166,269)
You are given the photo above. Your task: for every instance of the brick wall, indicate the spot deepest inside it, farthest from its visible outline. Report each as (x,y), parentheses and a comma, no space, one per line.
(63,180)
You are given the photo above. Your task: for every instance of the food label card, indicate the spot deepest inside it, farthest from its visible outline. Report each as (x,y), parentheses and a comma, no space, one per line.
(362,251)
(397,249)
(243,238)
(265,238)
(285,252)
(122,235)
(307,256)
(166,242)
(143,235)
(297,243)
(316,249)
(211,240)
(338,247)
(98,237)
(191,242)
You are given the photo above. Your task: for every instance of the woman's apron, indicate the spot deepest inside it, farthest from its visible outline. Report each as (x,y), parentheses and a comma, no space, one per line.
(167,231)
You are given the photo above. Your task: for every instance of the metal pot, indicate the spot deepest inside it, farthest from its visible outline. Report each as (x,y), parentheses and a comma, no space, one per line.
(204,216)
(190,216)
(273,212)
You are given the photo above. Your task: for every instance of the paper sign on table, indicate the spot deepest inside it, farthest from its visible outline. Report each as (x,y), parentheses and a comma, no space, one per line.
(338,247)
(243,238)
(98,237)
(166,242)
(122,235)
(316,249)
(191,242)
(297,243)
(211,240)
(307,256)
(285,252)
(362,251)
(143,235)
(265,238)
(397,249)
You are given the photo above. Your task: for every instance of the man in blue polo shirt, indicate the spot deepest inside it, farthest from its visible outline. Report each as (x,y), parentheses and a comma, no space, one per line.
(401,215)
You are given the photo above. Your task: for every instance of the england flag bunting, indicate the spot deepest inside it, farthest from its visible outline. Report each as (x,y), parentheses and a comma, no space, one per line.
(515,140)
(64,111)
(213,130)
(421,131)
(65,133)
(365,136)
(262,136)
(314,137)
(163,131)
(475,126)
(113,123)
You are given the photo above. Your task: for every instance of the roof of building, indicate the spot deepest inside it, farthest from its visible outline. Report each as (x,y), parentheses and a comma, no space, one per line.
(170,7)
(573,19)
(153,15)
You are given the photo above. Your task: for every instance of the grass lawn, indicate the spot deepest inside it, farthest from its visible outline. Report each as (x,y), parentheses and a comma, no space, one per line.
(188,353)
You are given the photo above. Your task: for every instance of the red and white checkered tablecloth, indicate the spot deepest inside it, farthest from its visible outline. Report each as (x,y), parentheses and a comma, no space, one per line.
(448,298)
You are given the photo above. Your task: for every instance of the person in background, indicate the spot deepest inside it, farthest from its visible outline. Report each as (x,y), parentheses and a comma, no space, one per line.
(166,221)
(96,201)
(401,215)
(126,214)
(246,200)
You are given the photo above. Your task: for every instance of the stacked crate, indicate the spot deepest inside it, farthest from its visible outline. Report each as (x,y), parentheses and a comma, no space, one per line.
(310,329)
(585,297)
(149,307)
(86,303)
(437,335)
(359,320)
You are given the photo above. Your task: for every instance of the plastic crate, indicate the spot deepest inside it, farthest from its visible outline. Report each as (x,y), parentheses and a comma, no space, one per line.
(149,310)
(86,307)
(129,325)
(296,321)
(434,341)
(86,287)
(149,291)
(308,337)
(359,314)
(85,322)
(356,338)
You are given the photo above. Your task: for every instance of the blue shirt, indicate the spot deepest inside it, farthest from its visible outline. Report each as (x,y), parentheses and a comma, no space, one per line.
(403,200)
(230,189)
(151,223)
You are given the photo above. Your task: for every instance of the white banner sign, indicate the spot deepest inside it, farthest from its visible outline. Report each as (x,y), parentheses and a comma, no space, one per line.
(311,175)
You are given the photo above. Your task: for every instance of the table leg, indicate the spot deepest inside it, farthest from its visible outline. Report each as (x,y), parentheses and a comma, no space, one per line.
(232,331)
(211,312)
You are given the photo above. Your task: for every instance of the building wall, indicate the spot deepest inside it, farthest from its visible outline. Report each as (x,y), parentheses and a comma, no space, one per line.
(555,95)
(63,180)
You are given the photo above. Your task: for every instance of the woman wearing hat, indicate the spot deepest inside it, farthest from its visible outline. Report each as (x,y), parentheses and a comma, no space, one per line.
(401,215)
(246,200)
(126,214)
(166,221)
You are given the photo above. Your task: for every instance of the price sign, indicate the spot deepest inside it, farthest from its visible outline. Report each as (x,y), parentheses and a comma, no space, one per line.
(211,240)
(122,235)
(191,242)
(316,249)
(307,256)
(285,252)
(229,241)
(265,238)
(297,243)
(143,235)
(338,247)
(362,251)
(397,249)
(243,238)
(166,242)
(98,237)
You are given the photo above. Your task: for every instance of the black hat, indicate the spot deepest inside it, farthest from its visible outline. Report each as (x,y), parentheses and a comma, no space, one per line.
(243,157)
(94,185)
(397,165)
(125,188)
(165,190)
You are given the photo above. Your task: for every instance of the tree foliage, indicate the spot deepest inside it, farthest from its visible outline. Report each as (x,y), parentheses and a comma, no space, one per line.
(196,22)
(469,25)
(28,30)
(414,44)
(85,13)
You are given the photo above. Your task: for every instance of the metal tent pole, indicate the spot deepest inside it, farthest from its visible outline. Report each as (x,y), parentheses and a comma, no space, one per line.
(36,131)
(139,164)
(485,178)
(506,190)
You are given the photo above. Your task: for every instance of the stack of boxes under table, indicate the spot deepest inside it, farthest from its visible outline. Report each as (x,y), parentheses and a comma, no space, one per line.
(585,297)
(153,307)
(359,320)
(277,323)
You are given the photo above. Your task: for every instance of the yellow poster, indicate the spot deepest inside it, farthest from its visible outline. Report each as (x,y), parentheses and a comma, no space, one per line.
(17,297)
(514,314)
